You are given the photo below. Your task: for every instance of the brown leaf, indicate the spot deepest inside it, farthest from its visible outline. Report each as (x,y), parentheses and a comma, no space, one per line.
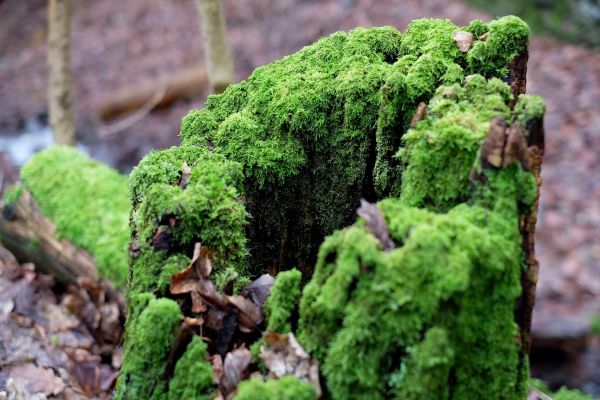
(186,171)
(204,287)
(493,145)
(375,223)
(283,355)
(259,289)
(516,147)
(58,319)
(484,37)
(198,305)
(250,315)
(234,367)
(464,40)
(201,261)
(217,367)
(420,114)
(86,373)
(39,379)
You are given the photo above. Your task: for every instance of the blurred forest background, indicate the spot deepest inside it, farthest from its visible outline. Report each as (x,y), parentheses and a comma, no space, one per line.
(136,45)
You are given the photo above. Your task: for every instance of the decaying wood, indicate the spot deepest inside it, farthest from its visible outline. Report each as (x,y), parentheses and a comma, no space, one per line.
(60,102)
(217,53)
(31,236)
(184,85)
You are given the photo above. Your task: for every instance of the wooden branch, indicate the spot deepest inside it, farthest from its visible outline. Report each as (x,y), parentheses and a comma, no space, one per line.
(31,237)
(184,85)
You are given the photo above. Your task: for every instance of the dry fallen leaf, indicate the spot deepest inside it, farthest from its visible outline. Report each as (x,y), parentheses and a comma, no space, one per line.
(38,379)
(186,171)
(420,114)
(259,289)
(283,355)
(375,223)
(250,315)
(464,40)
(234,367)
(516,147)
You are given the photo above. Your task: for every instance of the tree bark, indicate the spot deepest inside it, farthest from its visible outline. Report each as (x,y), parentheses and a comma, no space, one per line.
(28,234)
(60,102)
(217,53)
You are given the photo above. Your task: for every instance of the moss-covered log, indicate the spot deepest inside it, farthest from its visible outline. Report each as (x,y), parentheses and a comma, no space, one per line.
(74,200)
(281,160)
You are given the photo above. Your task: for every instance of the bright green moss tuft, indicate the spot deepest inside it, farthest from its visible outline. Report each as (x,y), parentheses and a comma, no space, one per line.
(13,194)
(150,338)
(193,375)
(439,153)
(285,388)
(507,37)
(87,202)
(282,301)
(528,108)
(562,394)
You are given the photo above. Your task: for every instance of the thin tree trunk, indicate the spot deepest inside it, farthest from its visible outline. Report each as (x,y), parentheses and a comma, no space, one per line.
(60,102)
(217,53)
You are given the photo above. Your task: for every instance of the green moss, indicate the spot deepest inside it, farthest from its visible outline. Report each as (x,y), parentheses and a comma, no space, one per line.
(285,388)
(439,153)
(562,394)
(528,108)
(12,194)
(282,301)
(438,308)
(507,37)
(193,375)
(425,372)
(87,202)
(149,340)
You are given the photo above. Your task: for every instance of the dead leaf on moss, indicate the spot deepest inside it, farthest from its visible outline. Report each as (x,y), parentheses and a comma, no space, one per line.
(201,261)
(198,304)
(186,172)
(516,147)
(259,289)
(375,223)
(283,355)
(420,114)
(234,369)
(464,40)
(250,315)
(38,379)
(493,145)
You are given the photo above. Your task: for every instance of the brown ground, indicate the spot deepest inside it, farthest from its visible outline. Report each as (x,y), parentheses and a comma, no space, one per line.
(117,43)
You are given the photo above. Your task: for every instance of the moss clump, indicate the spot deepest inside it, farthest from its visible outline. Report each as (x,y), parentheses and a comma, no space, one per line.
(438,308)
(87,202)
(12,194)
(282,301)
(529,108)
(193,374)
(285,388)
(149,340)
(439,153)
(562,394)
(341,104)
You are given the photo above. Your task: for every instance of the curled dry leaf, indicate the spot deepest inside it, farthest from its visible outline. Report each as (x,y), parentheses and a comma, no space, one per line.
(38,379)
(203,287)
(283,355)
(464,40)
(198,304)
(186,171)
(201,261)
(375,223)
(259,289)
(234,368)
(250,315)
(420,114)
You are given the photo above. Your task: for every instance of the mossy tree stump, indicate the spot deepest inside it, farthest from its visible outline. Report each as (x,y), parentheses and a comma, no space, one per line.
(280,161)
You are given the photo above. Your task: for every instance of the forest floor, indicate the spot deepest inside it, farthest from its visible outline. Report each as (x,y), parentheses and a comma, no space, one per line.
(118,43)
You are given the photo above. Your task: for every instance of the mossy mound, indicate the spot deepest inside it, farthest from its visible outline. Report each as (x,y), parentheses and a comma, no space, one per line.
(87,201)
(318,130)
(286,388)
(438,308)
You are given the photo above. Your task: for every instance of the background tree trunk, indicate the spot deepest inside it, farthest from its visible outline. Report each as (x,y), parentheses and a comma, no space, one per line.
(217,53)
(60,102)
